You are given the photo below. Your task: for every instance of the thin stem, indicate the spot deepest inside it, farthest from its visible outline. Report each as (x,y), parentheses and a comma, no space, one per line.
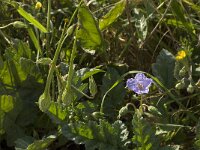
(48,26)
(53,64)
(87,96)
(71,70)
(141,102)
(71,63)
(3,27)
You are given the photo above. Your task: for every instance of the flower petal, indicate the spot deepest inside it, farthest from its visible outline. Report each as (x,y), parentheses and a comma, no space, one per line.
(140,84)
(140,76)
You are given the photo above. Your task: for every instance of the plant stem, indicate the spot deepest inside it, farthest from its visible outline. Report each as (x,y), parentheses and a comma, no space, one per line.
(71,71)
(71,63)
(53,64)
(141,102)
(48,27)
(60,43)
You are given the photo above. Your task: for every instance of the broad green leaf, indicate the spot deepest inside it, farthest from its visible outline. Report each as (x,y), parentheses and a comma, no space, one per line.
(6,103)
(97,136)
(116,95)
(13,131)
(23,50)
(31,19)
(144,134)
(28,66)
(88,34)
(22,143)
(112,15)
(57,112)
(42,144)
(163,69)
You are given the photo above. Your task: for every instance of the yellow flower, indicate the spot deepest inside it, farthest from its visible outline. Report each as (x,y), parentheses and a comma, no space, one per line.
(180,55)
(38,5)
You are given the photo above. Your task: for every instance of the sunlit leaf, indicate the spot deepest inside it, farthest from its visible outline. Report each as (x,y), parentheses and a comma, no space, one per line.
(41,144)
(90,72)
(6,103)
(31,19)
(57,112)
(92,86)
(112,15)
(94,136)
(88,34)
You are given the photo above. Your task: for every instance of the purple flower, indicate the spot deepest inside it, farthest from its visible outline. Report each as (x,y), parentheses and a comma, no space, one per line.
(140,84)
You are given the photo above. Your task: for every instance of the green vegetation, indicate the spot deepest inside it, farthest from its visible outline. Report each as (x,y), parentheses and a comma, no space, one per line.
(99,74)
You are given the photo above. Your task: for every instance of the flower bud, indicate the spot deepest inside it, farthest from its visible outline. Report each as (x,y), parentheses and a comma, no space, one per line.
(180,86)
(190,88)
(123,111)
(19,24)
(44,102)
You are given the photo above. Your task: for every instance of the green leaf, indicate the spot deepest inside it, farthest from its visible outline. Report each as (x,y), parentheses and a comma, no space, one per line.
(98,136)
(1,63)
(22,143)
(192,5)
(57,112)
(31,19)
(34,40)
(144,134)
(90,72)
(179,24)
(6,103)
(163,69)
(13,131)
(88,34)
(92,86)
(29,66)
(44,61)
(112,15)
(42,144)
(140,24)
(116,95)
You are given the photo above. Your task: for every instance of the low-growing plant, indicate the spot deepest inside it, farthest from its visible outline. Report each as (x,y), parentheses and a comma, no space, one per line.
(66,79)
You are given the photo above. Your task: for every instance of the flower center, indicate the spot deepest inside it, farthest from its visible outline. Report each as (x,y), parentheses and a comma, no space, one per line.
(140,86)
